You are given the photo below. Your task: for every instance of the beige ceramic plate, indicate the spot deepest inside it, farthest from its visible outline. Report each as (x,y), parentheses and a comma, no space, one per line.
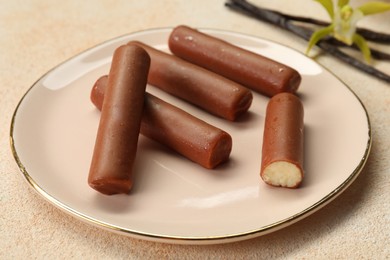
(174,200)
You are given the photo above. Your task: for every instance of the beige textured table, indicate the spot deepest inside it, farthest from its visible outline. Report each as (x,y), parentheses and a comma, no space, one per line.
(37,35)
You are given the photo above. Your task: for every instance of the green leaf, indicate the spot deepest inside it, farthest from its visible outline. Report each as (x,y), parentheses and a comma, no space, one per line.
(342,3)
(328,5)
(318,35)
(374,8)
(363,46)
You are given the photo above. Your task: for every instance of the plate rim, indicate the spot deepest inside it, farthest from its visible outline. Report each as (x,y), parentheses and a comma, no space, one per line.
(182,239)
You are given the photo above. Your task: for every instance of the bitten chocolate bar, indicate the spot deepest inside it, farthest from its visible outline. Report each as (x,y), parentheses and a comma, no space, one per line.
(282,154)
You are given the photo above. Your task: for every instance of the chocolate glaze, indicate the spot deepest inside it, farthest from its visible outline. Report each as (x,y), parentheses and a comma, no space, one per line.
(252,70)
(120,121)
(283,131)
(203,88)
(193,138)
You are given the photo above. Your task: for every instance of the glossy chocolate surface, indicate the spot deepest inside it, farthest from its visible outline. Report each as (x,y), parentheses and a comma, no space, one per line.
(252,70)
(117,137)
(203,88)
(193,138)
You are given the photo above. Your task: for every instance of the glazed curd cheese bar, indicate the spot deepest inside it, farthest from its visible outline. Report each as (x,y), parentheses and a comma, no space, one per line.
(111,170)
(252,70)
(171,126)
(203,88)
(282,151)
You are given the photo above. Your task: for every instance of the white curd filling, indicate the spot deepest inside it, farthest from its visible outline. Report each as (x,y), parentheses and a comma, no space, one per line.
(283,174)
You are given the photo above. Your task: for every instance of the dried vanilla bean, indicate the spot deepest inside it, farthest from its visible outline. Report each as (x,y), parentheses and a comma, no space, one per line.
(366,33)
(283,22)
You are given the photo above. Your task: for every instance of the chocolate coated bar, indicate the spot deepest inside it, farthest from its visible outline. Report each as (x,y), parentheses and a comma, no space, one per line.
(252,70)
(120,121)
(201,87)
(193,138)
(282,154)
